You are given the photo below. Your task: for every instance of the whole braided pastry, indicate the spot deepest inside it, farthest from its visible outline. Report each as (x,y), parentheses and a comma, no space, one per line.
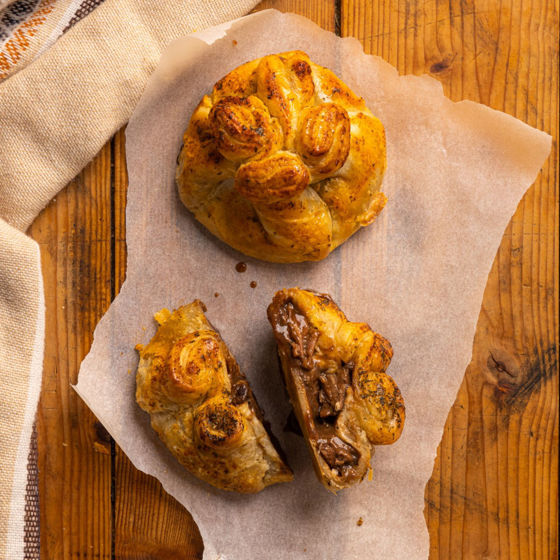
(282,161)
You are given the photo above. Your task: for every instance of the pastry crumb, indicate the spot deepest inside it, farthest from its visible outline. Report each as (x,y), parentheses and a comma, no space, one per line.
(161,316)
(253,284)
(241,267)
(360,522)
(216,294)
(234,42)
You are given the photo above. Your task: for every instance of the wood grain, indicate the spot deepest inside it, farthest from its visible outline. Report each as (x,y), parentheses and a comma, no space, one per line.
(323,13)
(74,233)
(493,492)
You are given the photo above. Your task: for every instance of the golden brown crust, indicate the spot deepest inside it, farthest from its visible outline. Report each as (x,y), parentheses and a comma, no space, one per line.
(324,139)
(278,177)
(242,128)
(218,424)
(202,407)
(335,375)
(286,143)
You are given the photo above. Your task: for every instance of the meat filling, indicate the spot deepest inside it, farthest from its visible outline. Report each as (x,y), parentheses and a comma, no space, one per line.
(332,390)
(325,389)
(337,453)
(298,334)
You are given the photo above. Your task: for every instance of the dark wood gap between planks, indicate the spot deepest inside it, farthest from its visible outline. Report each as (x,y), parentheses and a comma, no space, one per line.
(338,17)
(114,292)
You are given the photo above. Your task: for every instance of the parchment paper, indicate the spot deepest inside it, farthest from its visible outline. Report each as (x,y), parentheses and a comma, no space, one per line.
(456,172)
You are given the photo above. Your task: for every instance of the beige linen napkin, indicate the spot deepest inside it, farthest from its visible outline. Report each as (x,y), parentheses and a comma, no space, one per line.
(22,326)
(55,115)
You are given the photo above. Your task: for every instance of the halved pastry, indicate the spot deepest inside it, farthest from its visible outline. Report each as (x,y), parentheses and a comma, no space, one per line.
(334,371)
(202,407)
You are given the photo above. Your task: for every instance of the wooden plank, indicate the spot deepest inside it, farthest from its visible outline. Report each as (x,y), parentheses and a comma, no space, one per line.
(322,12)
(74,233)
(494,486)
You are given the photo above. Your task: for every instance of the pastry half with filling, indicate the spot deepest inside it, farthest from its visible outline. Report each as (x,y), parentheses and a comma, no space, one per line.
(282,160)
(202,407)
(334,371)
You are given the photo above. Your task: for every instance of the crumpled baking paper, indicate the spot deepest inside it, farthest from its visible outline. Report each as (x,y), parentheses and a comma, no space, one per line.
(456,172)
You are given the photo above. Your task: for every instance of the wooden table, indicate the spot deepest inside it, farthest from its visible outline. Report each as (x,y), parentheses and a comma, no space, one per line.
(494,490)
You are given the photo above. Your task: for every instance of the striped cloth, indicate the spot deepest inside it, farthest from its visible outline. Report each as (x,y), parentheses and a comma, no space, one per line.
(28,27)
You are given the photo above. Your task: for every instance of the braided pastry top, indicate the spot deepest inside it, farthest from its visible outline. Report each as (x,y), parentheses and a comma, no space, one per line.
(282,161)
